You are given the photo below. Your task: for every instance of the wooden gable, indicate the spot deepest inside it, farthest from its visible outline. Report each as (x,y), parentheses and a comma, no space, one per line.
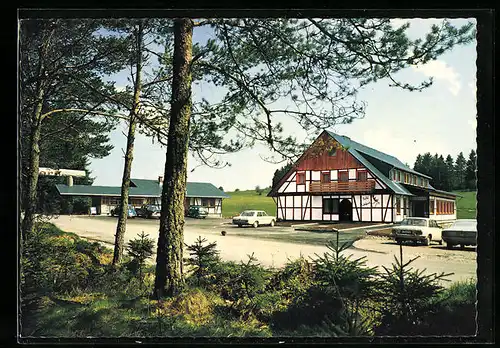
(318,156)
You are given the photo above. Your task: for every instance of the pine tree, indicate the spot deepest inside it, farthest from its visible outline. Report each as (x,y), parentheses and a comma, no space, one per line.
(450,173)
(460,169)
(470,172)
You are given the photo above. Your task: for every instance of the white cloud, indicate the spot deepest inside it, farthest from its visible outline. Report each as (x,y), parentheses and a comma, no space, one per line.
(442,71)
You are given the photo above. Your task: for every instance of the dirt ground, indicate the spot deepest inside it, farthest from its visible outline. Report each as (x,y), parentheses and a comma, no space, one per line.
(378,251)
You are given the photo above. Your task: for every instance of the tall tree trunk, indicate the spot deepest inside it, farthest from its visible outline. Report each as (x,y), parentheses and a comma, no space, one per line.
(170,241)
(31,182)
(129,153)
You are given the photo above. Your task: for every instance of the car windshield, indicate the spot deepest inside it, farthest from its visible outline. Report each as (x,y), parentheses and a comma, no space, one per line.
(248,213)
(414,222)
(469,225)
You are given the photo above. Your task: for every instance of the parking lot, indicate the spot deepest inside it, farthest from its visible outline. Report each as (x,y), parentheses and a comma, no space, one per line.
(272,246)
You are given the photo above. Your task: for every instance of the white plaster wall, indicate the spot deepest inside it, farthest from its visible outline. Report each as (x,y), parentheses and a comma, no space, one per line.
(352,173)
(365,214)
(315,175)
(377,215)
(292,187)
(317,201)
(298,214)
(317,214)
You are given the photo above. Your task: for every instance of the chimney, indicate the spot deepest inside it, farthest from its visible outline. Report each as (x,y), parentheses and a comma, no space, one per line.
(70,180)
(160,180)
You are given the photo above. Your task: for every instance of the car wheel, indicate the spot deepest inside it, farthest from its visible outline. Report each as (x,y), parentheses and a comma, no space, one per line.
(255,224)
(398,241)
(272,223)
(240,226)
(449,246)
(440,242)
(462,246)
(427,241)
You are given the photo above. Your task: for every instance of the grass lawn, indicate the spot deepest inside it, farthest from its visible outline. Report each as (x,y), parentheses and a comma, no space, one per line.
(466,205)
(301,237)
(243,200)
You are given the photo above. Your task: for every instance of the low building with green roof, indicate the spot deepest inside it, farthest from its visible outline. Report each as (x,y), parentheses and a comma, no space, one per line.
(145,191)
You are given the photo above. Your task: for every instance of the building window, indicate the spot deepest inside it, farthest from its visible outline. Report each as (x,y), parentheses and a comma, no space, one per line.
(406,179)
(301,178)
(399,175)
(330,206)
(431,206)
(362,176)
(325,177)
(333,151)
(343,176)
(398,206)
(208,202)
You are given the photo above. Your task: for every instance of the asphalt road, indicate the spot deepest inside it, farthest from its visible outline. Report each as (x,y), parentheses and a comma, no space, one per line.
(378,251)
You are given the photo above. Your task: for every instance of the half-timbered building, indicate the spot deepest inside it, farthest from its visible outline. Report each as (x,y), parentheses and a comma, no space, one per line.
(338,179)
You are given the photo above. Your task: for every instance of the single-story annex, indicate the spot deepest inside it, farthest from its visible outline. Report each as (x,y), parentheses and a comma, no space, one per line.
(338,179)
(142,191)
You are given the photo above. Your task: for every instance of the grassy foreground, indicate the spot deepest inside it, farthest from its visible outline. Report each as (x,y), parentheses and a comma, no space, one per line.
(68,289)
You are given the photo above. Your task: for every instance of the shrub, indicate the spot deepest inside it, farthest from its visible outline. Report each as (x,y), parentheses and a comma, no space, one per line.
(338,291)
(453,311)
(203,259)
(139,249)
(407,295)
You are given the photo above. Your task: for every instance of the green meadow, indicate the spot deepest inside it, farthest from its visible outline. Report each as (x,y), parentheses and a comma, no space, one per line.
(245,200)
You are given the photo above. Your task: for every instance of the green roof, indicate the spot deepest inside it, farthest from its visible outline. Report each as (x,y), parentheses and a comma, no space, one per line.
(141,188)
(391,160)
(394,186)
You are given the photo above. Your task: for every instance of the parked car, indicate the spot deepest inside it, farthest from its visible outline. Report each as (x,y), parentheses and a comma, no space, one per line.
(131,213)
(149,211)
(254,218)
(417,229)
(463,232)
(197,211)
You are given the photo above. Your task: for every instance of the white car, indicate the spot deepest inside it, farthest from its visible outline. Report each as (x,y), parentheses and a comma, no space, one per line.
(254,218)
(417,230)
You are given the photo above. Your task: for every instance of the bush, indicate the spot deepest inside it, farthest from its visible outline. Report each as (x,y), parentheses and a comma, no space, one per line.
(454,311)
(202,260)
(407,298)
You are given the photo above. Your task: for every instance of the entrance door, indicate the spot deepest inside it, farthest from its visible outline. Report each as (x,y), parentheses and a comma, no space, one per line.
(419,209)
(345,210)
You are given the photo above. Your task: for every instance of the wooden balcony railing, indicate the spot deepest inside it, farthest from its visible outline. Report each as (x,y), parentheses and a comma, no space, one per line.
(350,186)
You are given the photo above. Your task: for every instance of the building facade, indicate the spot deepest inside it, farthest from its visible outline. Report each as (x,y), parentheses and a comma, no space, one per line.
(338,179)
(143,191)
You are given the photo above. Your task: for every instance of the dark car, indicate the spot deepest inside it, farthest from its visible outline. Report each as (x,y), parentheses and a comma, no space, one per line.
(463,232)
(149,211)
(131,213)
(197,211)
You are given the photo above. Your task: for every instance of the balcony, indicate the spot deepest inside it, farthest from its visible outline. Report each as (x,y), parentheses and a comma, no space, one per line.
(350,186)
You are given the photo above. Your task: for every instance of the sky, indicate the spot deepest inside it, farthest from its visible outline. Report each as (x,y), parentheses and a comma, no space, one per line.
(441,119)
